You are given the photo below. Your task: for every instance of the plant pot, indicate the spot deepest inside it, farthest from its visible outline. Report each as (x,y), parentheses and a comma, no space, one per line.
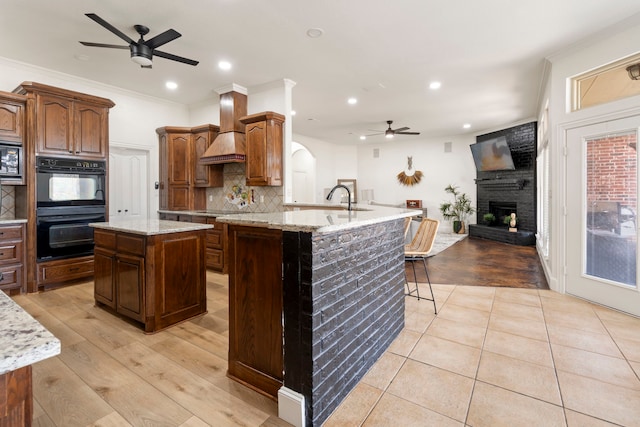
(458,226)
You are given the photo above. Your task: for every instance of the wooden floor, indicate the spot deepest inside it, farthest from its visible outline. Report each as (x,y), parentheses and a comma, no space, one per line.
(480,262)
(112,374)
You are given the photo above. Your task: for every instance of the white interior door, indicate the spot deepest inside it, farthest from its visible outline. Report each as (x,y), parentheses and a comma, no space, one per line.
(128,183)
(602,224)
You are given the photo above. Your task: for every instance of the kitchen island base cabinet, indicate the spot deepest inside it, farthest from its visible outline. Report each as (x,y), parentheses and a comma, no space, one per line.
(16,398)
(157,280)
(255,308)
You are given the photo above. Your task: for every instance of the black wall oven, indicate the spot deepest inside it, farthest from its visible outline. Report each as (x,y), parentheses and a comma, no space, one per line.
(70,194)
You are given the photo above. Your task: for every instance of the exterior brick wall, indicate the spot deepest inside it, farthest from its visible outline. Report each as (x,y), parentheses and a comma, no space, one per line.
(343,306)
(611,170)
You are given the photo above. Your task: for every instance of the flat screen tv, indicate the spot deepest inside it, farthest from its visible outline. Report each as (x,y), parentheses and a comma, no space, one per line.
(492,155)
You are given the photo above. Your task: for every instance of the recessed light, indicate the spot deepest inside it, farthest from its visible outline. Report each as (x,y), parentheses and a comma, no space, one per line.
(466,125)
(314,33)
(434,85)
(171,85)
(352,101)
(362,137)
(224,65)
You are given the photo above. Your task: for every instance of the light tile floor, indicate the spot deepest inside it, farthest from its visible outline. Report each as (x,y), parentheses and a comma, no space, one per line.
(502,357)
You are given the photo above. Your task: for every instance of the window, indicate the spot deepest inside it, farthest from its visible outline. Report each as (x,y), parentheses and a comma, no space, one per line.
(604,84)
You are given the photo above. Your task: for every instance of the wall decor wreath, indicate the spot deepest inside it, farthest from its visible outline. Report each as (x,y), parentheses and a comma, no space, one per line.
(409,176)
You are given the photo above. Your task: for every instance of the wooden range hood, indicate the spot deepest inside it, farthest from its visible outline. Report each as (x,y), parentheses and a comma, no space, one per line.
(229,145)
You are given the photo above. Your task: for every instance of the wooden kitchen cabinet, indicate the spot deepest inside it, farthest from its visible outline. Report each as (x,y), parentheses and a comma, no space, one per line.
(264,142)
(12,114)
(69,124)
(183,180)
(142,278)
(12,254)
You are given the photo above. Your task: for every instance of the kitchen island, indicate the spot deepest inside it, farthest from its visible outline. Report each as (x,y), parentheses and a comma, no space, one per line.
(23,342)
(151,271)
(315,297)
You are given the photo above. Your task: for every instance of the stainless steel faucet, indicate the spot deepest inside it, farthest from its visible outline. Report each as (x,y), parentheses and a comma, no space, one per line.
(348,194)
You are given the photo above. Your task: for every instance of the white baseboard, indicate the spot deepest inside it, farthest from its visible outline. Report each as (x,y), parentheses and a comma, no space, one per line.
(291,407)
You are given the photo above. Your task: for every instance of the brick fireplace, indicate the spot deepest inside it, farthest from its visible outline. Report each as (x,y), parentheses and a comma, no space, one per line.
(509,191)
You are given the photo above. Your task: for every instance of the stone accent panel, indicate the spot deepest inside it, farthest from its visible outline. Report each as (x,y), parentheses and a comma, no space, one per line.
(519,185)
(343,306)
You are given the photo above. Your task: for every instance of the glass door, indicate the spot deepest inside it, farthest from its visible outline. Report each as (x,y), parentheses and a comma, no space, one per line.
(602,201)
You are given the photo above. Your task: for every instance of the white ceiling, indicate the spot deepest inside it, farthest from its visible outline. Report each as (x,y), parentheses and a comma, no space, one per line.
(488,54)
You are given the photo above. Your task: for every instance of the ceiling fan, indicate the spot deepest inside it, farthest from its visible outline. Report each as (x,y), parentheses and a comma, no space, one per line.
(389,133)
(142,51)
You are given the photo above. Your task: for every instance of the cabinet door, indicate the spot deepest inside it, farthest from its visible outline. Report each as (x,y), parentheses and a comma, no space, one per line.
(179,159)
(55,125)
(11,121)
(201,173)
(256,148)
(129,272)
(90,130)
(104,262)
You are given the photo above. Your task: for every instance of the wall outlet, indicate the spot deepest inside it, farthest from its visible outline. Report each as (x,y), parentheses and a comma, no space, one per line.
(211,197)
(261,198)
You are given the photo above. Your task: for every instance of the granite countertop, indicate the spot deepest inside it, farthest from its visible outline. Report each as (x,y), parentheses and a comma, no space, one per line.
(23,341)
(203,212)
(12,221)
(149,227)
(320,220)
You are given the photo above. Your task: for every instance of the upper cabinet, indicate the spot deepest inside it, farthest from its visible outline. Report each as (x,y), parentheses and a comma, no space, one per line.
(183,180)
(69,124)
(264,140)
(12,113)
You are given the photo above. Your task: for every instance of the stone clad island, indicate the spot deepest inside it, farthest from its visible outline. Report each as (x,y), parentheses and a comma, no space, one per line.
(315,297)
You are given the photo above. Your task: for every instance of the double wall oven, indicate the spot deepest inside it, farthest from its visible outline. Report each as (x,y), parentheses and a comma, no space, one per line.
(70,194)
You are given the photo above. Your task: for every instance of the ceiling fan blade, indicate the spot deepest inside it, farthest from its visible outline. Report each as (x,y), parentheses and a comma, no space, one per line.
(407,133)
(400,129)
(112,46)
(110,27)
(175,57)
(162,38)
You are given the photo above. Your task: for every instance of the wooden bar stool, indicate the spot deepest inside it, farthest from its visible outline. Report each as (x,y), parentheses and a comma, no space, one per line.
(418,250)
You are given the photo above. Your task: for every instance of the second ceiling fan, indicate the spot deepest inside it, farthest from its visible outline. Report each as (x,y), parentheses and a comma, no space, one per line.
(389,133)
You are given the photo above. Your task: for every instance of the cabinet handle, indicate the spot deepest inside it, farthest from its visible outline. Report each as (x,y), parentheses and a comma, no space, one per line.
(126,210)
(1,233)
(71,270)
(1,253)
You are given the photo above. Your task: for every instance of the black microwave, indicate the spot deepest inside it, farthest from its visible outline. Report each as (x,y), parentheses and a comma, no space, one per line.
(11,162)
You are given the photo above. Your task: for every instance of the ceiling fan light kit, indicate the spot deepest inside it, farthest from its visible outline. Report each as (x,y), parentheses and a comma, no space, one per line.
(390,133)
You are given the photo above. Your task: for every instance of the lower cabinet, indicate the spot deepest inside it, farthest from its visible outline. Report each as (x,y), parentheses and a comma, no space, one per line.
(143,277)
(64,270)
(12,254)
(217,239)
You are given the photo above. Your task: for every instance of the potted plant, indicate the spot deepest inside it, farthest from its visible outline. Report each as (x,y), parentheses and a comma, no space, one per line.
(488,218)
(458,210)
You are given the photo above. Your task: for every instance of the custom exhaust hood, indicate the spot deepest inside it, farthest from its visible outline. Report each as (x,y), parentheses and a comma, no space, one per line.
(229,145)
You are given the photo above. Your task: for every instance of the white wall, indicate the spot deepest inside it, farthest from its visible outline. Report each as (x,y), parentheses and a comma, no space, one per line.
(333,162)
(440,169)
(618,42)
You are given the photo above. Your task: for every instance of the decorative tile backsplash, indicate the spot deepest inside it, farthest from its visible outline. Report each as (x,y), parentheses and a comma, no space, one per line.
(236,195)
(8,208)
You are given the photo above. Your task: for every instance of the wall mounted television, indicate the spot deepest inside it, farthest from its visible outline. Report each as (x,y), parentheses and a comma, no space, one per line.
(492,155)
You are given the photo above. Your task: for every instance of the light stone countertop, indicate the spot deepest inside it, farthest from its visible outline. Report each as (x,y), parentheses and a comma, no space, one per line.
(12,221)
(320,220)
(149,226)
(23,341)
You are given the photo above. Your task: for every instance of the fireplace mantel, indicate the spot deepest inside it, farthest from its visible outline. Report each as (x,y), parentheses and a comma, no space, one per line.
(502,183)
